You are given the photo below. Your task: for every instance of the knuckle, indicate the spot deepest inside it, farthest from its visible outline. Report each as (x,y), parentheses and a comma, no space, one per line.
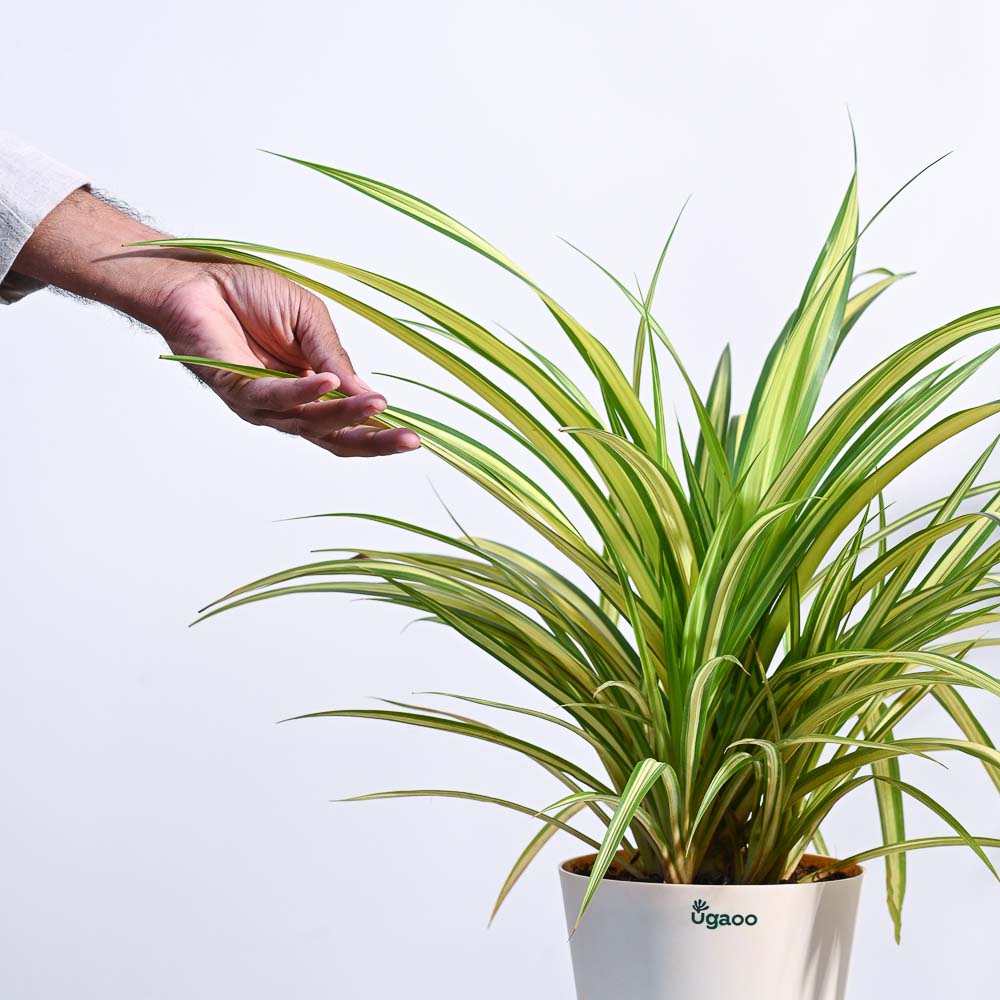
(263,395)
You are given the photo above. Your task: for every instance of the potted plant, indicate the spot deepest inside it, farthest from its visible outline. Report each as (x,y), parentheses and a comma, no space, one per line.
(744,627)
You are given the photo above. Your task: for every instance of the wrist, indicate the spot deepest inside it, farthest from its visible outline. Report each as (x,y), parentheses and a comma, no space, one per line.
(79,247)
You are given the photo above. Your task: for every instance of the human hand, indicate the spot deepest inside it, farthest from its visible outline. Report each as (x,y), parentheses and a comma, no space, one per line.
(251,316)
(221,310)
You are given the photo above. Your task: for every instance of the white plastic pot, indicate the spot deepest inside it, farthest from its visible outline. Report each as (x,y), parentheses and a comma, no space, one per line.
(651,941)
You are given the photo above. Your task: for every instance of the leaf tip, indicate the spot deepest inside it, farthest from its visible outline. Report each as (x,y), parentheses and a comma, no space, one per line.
(854,137)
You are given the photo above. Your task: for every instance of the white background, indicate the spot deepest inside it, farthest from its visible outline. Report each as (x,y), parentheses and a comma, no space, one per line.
(162,838)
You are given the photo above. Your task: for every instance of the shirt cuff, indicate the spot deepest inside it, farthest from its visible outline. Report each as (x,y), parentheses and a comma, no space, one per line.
(31,185)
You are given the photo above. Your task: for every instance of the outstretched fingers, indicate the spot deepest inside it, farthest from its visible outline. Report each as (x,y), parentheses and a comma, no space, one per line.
(249,396)
(369,442)
(296,406)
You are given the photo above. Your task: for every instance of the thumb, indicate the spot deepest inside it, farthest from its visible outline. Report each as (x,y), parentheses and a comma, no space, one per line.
(320,345)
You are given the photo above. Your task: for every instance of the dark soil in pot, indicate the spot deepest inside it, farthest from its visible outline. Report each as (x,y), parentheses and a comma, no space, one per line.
(618,873)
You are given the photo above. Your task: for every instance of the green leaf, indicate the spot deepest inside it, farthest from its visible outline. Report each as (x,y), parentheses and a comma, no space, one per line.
(549,829)
(495,736)
(554,823)
(646,774)
(914,844)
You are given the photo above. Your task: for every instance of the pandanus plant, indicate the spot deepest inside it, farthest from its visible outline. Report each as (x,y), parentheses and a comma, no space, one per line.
(742,629)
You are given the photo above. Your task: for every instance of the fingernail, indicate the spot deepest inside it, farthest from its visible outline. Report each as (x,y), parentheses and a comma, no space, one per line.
(378,404)
(327,383)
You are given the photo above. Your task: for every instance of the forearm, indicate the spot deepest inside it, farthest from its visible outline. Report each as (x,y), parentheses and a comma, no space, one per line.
(78,247)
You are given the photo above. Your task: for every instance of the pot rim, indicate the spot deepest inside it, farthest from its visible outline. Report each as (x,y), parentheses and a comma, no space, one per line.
(852,871)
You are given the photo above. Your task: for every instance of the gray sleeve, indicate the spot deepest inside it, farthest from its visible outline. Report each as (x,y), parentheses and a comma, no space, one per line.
(31,185)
